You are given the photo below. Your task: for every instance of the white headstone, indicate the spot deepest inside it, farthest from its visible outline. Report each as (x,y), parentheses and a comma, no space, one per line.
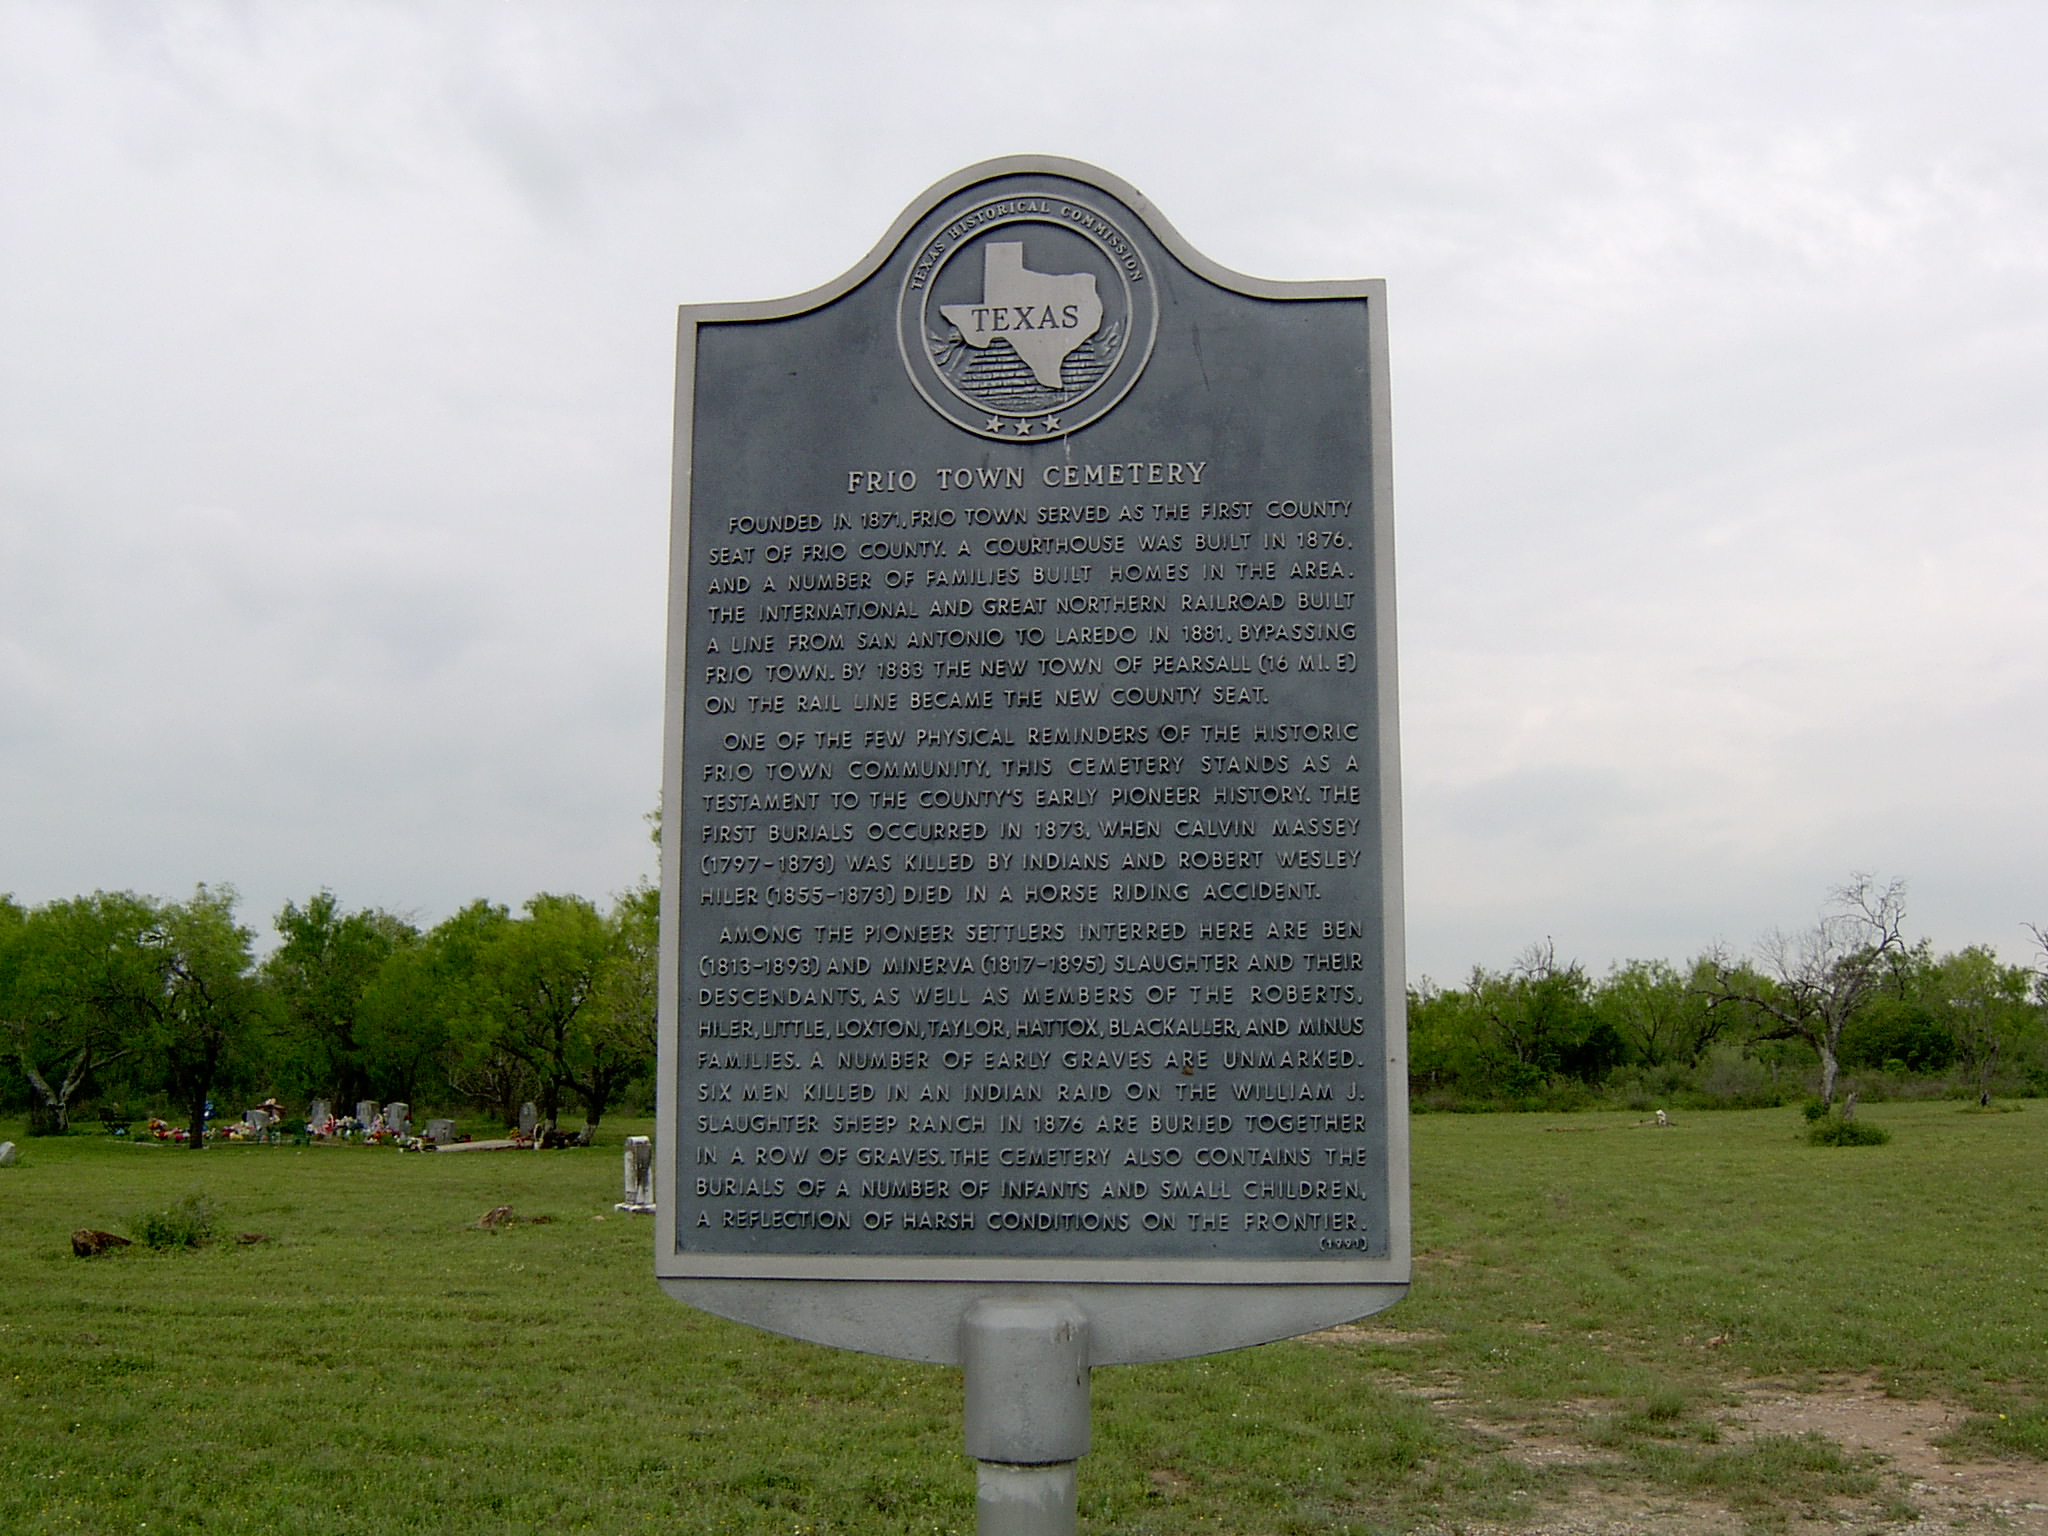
(639,1175)
(529,1117)
(256,1119)
(365,1113)
(7,1154)
(398,1119)
(317,1115)
(439,1131)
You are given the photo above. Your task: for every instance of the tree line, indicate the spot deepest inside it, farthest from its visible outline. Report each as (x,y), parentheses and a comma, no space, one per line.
(119,997)
(1849,993)
(115,998)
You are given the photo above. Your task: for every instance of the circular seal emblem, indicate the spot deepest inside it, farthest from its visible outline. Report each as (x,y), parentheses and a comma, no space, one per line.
(1027,316)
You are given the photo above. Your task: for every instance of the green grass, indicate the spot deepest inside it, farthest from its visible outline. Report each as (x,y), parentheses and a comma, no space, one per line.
(2022,1432)
(381,1363)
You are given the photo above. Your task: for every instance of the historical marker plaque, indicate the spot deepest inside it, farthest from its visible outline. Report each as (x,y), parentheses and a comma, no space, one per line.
(1031,860)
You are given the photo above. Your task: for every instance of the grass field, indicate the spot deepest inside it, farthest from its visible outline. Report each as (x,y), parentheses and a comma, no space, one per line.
(382,1365)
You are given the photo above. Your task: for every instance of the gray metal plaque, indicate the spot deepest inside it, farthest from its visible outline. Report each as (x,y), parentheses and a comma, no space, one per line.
(1031,891)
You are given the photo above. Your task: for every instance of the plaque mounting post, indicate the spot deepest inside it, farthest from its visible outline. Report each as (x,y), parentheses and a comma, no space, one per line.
(1025,1362)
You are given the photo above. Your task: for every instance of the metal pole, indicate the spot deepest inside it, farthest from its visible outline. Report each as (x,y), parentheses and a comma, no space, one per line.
(1025,1362)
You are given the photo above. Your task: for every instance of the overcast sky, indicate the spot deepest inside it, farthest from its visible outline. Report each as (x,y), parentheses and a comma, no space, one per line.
(336,351)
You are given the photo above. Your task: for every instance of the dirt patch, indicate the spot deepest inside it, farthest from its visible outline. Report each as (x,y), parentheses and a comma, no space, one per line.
(1597,1512)
(1365,1333)
(1896,1434)
(1855,1413)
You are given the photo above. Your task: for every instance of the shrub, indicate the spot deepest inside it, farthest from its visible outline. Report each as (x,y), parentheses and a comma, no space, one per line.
(1815,1110)
(1831,1132)
(188,1224)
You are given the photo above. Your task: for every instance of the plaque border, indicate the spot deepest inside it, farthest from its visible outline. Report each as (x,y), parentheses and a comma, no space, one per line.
(1366,1284)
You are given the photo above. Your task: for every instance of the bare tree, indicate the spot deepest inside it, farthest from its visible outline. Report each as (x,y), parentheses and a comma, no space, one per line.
(1808,985)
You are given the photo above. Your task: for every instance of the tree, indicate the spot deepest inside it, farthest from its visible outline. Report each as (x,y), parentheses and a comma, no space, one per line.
(496,1080)
(1987,1009)
(624,1021)
(1983,1006)
(1509,1033)
(1809,985)
(422,1017)
(535,980)
(1658,1012)
(1905,1027)
(212,1012)
(77,988)
(328,960)
(568,995)
(1541,1013)
(1448,1047)
(628,990)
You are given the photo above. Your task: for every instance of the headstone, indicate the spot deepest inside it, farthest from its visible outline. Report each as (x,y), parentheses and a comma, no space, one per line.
(398,1119)
(258,1120)
(7,1154)
(1032,728)
(366,1111)
(639,1192)
(439,1131)
(317,1115)
(529,1117)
